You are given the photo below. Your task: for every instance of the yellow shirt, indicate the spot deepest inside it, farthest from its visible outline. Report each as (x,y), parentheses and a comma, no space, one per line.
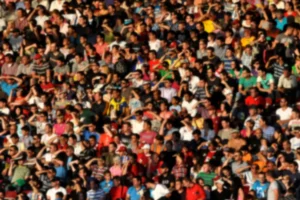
(209,26)
(247,41)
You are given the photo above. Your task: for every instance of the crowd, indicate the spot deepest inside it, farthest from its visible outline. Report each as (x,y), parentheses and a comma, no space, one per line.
(140,100)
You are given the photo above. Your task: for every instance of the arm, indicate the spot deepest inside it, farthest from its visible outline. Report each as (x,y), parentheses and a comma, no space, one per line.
(160,81)
(19,81)
(39,155)
(30,120)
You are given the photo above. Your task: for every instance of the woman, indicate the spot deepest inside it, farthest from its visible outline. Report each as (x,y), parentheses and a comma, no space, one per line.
(207,132)
(289,8)
(65,48)
(196,168)
(18,100)
(60,126)
(179,170)
(116,169)
(237,189)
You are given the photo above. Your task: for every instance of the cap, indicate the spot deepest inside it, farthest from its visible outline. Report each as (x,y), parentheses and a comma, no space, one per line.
(219,181)
(270,150)
(37,57)
(146,146)
(16,30)
(121,149)
(55,179)
(235,22)
(227,92)
(234,131)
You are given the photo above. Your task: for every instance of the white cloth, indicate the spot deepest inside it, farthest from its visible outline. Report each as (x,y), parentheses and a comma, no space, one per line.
(51,193)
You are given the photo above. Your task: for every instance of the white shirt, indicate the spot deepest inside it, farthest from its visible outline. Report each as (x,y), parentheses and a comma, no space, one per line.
(159,191)
(137,127)
(154,45)
(46,138)
(295,143)
(193,83)
(185,134)
(41,19)
(168,93)
(64,28)
(4,111)
(51,193)
(56,5)
(190,107)
(284,114)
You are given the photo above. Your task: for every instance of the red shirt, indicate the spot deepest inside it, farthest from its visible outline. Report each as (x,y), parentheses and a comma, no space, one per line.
(118,192)
(152,63)
(147,136)
(258,101)
(142,159)
(195,192)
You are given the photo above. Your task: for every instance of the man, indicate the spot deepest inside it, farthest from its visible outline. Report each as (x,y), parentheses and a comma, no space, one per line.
(167,91)
(7,83)
(190,104)
(51,193)
(254,116)
(18,174)
(136,191)
(207,174)
(268,131)
(193,190)
(295,141)
(147,136)
(9,67)
(287,84)
(239,165)
(246,82)
(273,192)
(284,113)
(118,191)
(265,82)
(254,99)
(220,193)
(95,193)
(166,178)
(157,191)
(260,186)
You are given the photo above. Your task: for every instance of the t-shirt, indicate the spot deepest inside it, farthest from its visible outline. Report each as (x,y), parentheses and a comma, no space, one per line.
(295,143)
(284,114)
(147,136)
(51,193)
(273,186)
(159,191)
(267,81)
(260,189)
(135,194)
(247,83)
(195,192)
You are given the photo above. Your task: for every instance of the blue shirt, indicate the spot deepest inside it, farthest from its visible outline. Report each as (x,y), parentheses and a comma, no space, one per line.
(135,194)
(106,186)
(261,190)
(280,24)
(7,88)
(87,134)
(61,172)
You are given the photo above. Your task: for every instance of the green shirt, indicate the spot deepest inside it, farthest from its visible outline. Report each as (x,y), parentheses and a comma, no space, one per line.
(207,178)
(266,83)
(247,83)
(20,172)
(294,71)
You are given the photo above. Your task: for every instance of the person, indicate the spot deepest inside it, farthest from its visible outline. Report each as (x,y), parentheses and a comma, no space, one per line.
(193,191)
(136,191)
(273,190)
(56,187)
(157,191)
(220,192)
(95,192)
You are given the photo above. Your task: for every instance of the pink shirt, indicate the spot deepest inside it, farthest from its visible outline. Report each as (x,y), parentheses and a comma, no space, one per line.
(59,129)
(116,171)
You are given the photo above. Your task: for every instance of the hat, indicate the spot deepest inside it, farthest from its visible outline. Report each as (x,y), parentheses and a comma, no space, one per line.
(16,30)
(37,57)
(121,148)
(55,179)
(146,146)
(146,82)
(220,181)
(21,157)
(235,22)
(270,150)
(227,92)
(234,131)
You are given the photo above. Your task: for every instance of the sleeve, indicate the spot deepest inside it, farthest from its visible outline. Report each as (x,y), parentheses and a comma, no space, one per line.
(271,79)
(280,82)
(258,80)
(202,194)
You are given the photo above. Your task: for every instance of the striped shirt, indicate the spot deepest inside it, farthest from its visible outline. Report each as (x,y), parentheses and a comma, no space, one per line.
(278,69)
(95,194)
(41,69)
